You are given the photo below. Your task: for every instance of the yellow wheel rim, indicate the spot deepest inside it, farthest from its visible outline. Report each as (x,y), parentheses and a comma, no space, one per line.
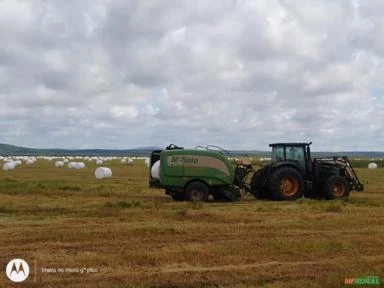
(289,186)
(338,190)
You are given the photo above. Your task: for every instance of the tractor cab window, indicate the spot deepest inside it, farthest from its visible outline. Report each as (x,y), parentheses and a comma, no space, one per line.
(296,154)
(277,154)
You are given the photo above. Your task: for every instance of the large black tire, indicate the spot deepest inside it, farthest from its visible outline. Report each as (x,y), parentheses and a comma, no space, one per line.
(196,191)
(258,183)
(336,187)
(286,183)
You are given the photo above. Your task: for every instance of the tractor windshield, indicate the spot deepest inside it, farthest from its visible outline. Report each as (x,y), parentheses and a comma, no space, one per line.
(294,154)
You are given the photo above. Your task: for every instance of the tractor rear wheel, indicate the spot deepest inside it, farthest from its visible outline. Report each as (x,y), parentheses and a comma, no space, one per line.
(196,191)
(336,187)
(286,183)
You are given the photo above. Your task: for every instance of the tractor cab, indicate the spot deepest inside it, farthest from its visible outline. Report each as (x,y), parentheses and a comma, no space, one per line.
(298,154)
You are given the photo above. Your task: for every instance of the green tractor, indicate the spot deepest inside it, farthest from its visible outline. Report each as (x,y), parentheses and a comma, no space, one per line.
(293,174)
(195,174)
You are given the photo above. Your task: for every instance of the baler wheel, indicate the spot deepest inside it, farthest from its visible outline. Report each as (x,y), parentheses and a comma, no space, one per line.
(196,191)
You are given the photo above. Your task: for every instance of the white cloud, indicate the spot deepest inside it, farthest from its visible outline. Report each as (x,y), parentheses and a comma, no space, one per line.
(238,74)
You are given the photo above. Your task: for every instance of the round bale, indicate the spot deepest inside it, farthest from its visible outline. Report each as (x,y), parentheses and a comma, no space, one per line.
(72,165)
(155,170)
(80,165)
(59,164)
(372,165)
(103,172)
(9,165)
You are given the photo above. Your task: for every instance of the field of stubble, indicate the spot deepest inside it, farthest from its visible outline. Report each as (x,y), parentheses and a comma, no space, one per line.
(127,235)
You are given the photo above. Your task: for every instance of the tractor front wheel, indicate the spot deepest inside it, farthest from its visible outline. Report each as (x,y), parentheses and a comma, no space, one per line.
(336,187)
(196,191)
(286,183)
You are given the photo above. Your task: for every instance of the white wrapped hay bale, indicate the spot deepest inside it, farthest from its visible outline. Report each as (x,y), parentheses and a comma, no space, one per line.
(71,165)
(146,161)
(29,161)
(76,165)
(103,172)
(155,170)
(10,165)
(123,161)
(130,160)
(372,165)
(80,165)
(17,162)
(59,164)
(99,162)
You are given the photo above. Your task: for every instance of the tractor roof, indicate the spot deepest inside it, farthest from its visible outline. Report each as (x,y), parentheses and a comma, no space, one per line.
(289,144)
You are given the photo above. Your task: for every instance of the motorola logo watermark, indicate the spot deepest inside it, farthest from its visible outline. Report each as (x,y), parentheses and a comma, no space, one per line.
(17,270)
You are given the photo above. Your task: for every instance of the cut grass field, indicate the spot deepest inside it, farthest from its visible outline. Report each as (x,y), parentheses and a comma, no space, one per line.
(132,236)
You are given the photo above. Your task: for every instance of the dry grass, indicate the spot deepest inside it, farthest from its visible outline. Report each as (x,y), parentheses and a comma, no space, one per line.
(137,237)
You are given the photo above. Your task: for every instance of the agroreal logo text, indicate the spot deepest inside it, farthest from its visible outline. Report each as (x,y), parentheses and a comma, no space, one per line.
(17,270)
(368,280)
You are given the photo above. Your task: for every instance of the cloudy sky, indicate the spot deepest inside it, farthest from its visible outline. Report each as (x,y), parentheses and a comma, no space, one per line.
(235,73)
